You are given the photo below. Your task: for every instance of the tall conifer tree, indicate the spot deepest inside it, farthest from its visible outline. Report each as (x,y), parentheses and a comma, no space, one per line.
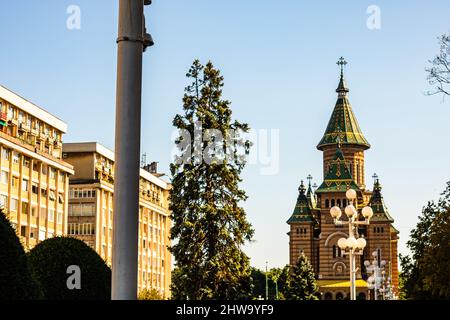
(209,226)
(301,282)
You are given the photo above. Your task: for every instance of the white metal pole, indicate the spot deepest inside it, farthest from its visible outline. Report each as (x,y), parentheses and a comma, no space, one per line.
(127,150)
(352,262)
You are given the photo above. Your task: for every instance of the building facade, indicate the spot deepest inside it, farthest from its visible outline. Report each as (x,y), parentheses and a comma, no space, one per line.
(34,179)
(312,229)
(91,191)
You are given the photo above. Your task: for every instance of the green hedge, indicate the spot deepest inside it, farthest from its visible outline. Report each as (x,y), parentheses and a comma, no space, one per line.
(49,262)
(16,282)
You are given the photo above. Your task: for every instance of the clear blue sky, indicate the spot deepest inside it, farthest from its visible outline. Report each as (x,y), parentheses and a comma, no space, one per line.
(278,59)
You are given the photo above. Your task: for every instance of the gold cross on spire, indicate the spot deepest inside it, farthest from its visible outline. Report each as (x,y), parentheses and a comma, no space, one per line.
(341,62)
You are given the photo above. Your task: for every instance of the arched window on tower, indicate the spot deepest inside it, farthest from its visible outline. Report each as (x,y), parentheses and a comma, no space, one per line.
(339,203)
(332,203)
(334,251)
(327,203)
(344,203)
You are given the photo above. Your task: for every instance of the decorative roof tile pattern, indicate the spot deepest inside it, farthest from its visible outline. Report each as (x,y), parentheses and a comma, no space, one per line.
(343,124)
(338,177)
(380,212)
(302,211)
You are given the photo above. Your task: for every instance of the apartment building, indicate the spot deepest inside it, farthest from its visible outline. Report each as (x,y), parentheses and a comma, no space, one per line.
(34,179)
(91,191)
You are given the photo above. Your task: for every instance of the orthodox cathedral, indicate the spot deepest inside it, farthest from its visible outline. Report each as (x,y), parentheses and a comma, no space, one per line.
(312,229)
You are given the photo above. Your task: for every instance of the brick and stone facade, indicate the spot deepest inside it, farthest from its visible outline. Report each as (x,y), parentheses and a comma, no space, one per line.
(312,229)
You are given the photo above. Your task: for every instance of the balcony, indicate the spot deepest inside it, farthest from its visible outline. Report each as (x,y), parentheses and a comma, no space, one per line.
(3,117)
(98,166)
(13,122)
(24,127)
(34,132)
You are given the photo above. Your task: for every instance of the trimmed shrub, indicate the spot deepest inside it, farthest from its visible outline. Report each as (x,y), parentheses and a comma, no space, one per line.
(55,263)
(16,282)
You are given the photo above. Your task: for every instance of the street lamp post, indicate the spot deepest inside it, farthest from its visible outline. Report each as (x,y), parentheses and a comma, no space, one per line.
(376,280)
(351,246)
(131,42)
(267,284)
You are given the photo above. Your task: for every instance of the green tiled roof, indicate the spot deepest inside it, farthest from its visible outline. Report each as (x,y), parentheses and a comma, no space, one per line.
(338,177)
(343,123)
(302,211)
(380,212)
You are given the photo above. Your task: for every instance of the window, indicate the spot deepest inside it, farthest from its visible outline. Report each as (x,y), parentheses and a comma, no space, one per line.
(60,217)
(60,198)
(43,192)
(24,185)
(51,215)
(82,209)
(24,208)
(5,154)
(81,193)
(52,173)
(327,203)
(3,201)
(51,195)
(34,188)
(14,205)
(16,158)
(33,211)
(33,233)
(43,214)
(61,177)
(4,177)
(10,112)
(21,116)
(332,203)
(26,162)
(23,231)
(44,169)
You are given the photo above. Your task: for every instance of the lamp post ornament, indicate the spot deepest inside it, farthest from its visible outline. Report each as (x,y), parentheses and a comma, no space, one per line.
(377,279)
(352,246)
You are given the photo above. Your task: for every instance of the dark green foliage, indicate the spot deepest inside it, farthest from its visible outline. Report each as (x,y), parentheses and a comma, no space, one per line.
(276,277)
(301,282)
(425,275)
(16,282)
(209,226)
(50,259)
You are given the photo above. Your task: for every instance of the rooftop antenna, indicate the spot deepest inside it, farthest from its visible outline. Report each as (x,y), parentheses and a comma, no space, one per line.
(144,160)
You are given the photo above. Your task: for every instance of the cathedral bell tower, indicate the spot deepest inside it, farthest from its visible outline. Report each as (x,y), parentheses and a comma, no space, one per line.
(344,127)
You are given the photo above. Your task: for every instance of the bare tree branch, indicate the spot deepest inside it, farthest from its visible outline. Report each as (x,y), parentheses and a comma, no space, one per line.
(439,72)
